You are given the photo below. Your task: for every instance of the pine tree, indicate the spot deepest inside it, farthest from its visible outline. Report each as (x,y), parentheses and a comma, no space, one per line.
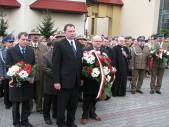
(3,25)
(46,29)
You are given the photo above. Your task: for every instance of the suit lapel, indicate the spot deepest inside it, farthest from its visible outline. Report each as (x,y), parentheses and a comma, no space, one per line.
(17,50)
(68,47)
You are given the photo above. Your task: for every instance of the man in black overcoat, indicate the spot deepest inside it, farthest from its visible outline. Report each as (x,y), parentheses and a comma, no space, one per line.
(20,52)
(67,59)
(91,86)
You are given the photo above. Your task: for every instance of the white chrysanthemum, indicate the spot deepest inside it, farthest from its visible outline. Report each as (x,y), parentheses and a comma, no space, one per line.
(12,70)
(95,72)
(108,78)
(167,53)
(90,59)
(23,74)
(106,70)
(104,54)
(152,51)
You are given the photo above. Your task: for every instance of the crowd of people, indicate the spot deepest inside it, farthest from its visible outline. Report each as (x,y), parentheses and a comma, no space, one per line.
(59,85)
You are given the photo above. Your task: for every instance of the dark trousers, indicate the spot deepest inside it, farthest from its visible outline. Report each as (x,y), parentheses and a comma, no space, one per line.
(49,99)
(67,100)
(5,84)
(17,118)
(89,106)
(37,96)
(1,90)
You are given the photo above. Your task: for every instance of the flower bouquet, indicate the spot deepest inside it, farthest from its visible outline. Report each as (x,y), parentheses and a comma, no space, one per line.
(159,55)
(22,72)
(98,67)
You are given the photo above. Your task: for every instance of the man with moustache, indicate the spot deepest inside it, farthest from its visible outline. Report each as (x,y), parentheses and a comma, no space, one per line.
(158,68)
(18,53)
(39,49)
(139,64)
(67,59)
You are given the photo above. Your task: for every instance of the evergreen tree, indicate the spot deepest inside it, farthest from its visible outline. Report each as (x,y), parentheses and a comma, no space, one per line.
(46,29)
(3,25)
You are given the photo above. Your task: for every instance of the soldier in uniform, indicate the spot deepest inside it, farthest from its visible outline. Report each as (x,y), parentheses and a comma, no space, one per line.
(158,68)
(39,49)
(8,42)
(139,64)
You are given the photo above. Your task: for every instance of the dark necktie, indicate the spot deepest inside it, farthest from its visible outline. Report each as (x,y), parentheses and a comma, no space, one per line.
(73,48)
(23,51)
(142,47)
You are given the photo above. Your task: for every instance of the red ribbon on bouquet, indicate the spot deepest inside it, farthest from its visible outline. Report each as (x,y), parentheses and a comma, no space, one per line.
(151,62)
(103,77)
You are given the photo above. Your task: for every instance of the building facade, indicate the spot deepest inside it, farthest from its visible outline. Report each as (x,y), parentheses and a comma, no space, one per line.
(25,15)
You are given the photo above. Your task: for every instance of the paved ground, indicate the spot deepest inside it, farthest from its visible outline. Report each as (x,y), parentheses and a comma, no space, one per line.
(137,110)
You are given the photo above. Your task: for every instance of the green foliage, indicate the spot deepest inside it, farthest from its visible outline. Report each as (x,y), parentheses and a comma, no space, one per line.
(165,56)
(107,90)
(3,24)
(46,29)
(165,32)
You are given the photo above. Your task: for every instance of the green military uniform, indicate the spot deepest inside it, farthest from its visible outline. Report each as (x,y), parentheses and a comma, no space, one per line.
(139,63)
(158,70)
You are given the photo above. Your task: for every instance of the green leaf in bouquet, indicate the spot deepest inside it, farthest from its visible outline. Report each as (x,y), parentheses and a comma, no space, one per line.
(34,69)
(164,60)
(107,90)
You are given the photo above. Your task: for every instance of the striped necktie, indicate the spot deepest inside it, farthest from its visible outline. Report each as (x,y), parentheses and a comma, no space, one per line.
(73,48)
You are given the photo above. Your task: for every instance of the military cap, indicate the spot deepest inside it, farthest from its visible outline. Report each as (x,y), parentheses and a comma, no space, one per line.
(7,39)
(159,35)
(60,34)
(81,37)
(35,32)
(141,38)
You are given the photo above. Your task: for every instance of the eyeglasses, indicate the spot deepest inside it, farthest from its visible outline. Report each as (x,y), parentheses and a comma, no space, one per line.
(10,41)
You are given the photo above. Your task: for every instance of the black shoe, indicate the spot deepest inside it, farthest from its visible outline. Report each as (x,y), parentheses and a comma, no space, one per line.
(48,122)
(139,91)
(18,125)
(71,125)
(107,98)
(26,124)
(133,92)
(152,92)
(80,99)
(40,111)
(158,92)
(54,116)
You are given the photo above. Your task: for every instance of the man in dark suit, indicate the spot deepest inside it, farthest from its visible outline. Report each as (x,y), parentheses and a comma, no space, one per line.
(91,87)
(21,52)
(67,58)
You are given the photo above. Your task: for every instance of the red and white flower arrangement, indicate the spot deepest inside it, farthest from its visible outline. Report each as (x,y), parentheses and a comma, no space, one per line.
(160,55)
(98,67)
(22,72)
